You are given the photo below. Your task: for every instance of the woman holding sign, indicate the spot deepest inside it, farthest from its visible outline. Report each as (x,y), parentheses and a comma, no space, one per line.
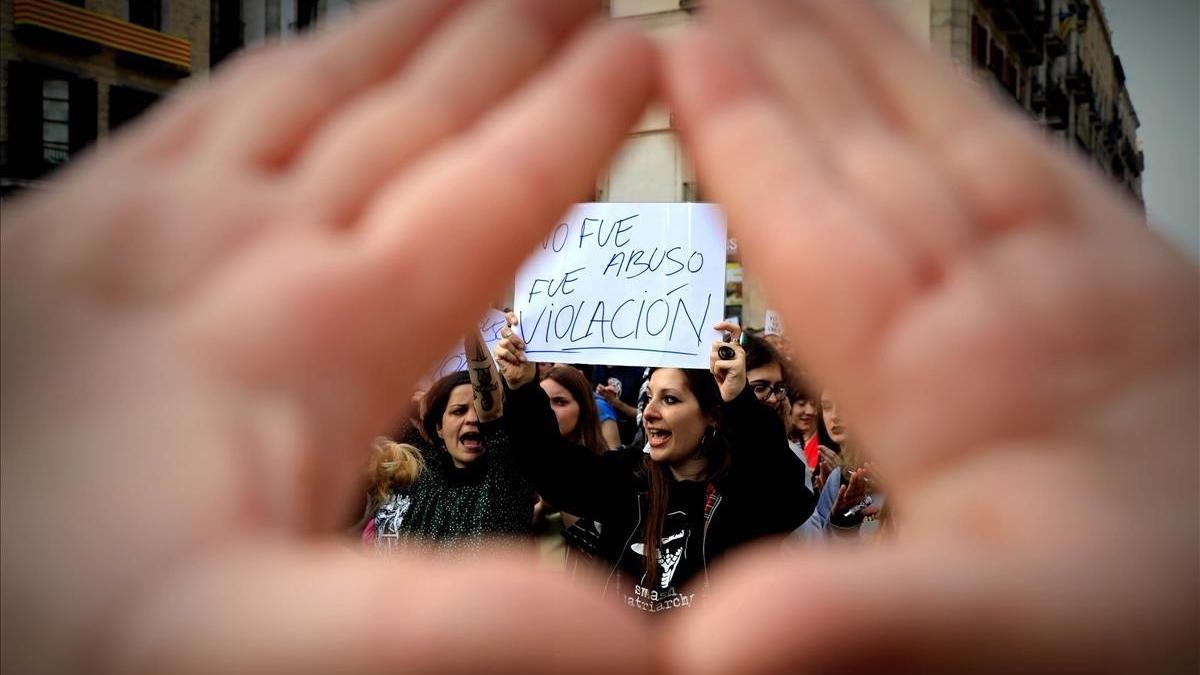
(717,474)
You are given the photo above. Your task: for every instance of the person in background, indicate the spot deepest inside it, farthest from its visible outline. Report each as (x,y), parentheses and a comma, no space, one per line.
(849,503)
(392,469)
(766,375)
(390,451)
(574,407)
(564,536)
(620,387)
(610,421)
(768,378)
(805,420)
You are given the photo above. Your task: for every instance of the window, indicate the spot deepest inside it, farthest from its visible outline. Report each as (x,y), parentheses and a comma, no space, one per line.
(126,103)
(51,117)
(306,14)
(996,59)
(56,121)
(146,13)
(226,29)
(1012,78)
(979,42)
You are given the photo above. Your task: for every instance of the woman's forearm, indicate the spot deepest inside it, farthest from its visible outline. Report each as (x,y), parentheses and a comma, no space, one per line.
(623,409)
(485,380)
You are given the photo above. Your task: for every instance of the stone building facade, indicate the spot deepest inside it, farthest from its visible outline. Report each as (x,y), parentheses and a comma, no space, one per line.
(71,71)
(74,70)
(237,24)
(1051,58)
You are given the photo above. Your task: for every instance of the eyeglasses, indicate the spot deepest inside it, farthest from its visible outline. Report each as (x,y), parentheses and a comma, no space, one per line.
(765,390)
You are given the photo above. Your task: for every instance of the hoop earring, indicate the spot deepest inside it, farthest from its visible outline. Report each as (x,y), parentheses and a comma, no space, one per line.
(708,441)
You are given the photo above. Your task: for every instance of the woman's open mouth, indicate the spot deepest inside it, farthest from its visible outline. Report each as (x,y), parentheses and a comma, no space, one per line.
(471,440)
(657,437)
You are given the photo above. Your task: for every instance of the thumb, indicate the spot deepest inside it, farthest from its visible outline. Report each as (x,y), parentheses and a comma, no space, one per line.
(330,610)
(917,609)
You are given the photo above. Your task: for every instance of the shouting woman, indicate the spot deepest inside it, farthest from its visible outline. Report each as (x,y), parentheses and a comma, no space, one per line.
(471,488)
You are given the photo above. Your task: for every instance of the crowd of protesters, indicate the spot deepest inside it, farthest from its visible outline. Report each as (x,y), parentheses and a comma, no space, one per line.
(649,474)
(208,319)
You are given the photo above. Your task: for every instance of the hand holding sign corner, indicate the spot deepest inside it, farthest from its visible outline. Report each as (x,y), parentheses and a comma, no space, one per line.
(515,367)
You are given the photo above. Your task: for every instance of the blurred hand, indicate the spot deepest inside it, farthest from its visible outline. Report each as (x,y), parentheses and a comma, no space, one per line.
(1002,327)
(206,323)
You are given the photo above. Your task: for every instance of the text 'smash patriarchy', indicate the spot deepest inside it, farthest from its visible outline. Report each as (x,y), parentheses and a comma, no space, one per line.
(625,284)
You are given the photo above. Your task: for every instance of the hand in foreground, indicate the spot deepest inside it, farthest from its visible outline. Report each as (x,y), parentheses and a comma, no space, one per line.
(1003,326)
(516,368)
(198,353)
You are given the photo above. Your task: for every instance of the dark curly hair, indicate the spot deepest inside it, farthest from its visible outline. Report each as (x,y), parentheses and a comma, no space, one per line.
(436,400)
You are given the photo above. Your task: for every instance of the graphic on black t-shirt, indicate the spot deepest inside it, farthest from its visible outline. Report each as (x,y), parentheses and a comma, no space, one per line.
(677,561)
(388,519)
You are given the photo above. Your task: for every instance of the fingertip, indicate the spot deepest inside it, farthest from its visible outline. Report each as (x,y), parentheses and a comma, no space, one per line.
(704,72)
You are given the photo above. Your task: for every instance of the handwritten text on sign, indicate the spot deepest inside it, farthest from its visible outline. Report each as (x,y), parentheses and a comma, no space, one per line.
(625,284)
(490,325)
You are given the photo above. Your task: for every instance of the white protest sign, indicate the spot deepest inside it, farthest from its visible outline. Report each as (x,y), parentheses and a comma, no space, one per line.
(772,323)
(625,284)
(489,326)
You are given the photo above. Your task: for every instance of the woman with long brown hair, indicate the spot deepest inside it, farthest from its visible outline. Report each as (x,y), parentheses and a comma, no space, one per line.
(849,502)
(574,407)
(716,473)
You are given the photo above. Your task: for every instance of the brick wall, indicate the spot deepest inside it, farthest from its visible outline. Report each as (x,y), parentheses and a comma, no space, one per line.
(187,19)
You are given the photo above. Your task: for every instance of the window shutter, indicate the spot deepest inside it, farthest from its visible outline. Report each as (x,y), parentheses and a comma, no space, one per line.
(24,119)
(83,114)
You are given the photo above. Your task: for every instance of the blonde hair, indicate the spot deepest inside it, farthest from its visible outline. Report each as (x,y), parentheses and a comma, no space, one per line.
(392,467)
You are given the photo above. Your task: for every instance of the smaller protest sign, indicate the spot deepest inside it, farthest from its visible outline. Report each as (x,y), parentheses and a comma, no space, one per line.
(773,325)
(489,326)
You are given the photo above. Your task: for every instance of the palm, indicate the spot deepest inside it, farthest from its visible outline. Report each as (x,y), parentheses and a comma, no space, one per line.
(971,296)
(259,324)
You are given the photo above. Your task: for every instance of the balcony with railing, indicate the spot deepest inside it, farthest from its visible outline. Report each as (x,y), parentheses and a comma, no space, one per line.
(35,18)
(1058,106)
(1054,37)
(1078,78)
(1022,22)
